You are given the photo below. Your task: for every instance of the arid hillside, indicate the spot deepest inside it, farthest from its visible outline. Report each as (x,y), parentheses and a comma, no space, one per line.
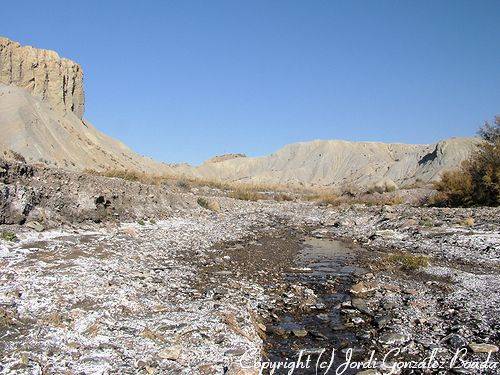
(341,163)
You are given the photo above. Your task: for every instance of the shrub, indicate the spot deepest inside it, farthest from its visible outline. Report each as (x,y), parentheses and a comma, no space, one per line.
(379,200)
(9,236)
(282,197)
(17,156)
(383,186)
(468,222)
(183,184)
(141,222)
(328,200)
(324,198)
(477,182)
(409,261)
(202,202)
(427,222)
(123,174)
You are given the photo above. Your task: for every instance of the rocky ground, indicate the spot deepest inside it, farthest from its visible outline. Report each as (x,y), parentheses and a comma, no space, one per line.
(155,283)
(448,304)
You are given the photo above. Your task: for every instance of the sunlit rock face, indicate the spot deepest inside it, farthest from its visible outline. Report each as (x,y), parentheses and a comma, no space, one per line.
(44,74)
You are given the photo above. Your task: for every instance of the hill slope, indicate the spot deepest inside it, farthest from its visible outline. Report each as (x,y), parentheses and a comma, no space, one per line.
(59,138)
(338,163)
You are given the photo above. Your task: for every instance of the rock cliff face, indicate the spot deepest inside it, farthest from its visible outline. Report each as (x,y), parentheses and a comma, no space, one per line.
(44,74)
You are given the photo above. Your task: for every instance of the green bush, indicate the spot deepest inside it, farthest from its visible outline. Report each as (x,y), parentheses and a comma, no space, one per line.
(409,261)
(183,184)
(9,236)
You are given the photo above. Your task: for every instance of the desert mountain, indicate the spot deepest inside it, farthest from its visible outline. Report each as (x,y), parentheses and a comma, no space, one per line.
(41,118)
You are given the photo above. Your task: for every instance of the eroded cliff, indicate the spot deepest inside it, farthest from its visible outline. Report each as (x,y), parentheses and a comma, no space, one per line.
(44,74)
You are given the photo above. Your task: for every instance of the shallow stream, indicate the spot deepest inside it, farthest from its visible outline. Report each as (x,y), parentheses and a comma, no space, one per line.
(329,268)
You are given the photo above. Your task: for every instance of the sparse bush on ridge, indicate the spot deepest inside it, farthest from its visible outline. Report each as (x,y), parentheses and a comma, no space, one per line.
(17,156)
(383,186)
(477,181)
(326,199)
(254,192)
(418,183)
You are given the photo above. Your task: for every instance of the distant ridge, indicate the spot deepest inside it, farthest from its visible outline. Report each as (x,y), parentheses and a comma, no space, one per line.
(339,163)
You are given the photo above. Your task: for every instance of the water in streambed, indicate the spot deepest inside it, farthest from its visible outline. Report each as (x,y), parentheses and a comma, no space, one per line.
(316,316)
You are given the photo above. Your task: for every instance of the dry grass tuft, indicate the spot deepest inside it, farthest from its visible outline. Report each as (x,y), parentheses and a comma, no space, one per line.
(128,175)
(468,222)
(328,200)
(208,204)
(247,194)
(380,200)
(282,197)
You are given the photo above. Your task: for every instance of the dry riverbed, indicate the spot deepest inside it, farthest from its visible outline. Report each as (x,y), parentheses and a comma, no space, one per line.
(204,292)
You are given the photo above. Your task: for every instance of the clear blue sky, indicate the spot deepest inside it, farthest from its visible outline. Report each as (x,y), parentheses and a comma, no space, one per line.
(185,80)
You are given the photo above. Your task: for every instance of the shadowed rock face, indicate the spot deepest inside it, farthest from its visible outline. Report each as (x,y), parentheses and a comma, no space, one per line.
(44,74)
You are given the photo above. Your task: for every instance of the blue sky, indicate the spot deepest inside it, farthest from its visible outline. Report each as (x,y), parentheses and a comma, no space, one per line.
(186,80)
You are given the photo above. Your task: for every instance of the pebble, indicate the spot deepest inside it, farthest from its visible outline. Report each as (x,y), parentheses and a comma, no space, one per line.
(172,353)
(368,372)
(456,341)
(483,348)
(393,338)
(361,288)
(299,332)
